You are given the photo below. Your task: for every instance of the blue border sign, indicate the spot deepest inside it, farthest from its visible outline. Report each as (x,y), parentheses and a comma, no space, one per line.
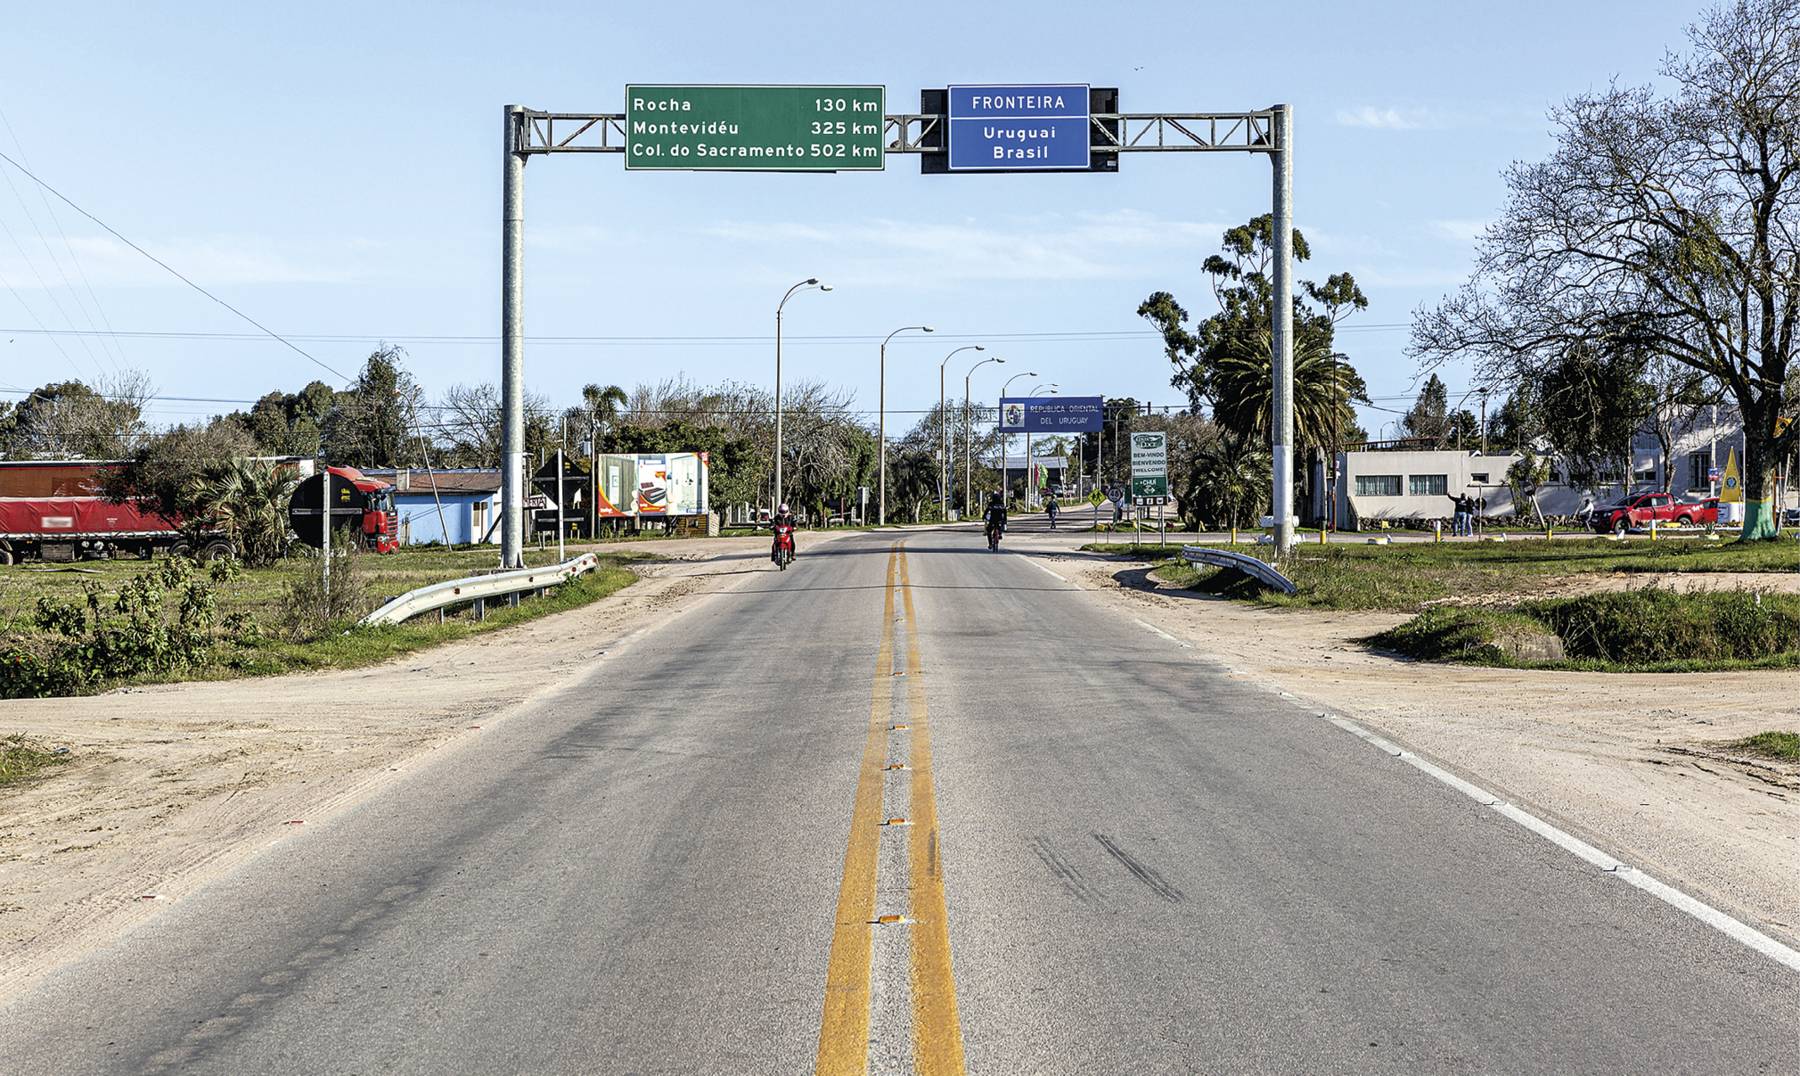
(1039,414)
(1018,128)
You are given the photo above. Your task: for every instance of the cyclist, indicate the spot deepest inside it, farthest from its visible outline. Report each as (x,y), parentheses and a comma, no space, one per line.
(996,520)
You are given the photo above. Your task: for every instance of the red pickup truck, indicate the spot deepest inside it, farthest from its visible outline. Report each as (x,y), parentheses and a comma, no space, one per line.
(1637,510)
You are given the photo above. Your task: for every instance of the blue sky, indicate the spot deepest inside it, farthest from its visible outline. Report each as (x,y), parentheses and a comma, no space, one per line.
(333,171)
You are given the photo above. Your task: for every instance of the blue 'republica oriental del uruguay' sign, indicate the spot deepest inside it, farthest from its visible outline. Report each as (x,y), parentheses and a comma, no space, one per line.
(1018,128)
(1040,414)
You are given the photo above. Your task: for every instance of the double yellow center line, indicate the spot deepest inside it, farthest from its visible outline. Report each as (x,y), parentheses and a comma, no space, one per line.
(844,1032)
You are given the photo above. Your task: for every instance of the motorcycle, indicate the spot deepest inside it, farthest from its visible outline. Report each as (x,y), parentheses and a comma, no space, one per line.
(783,551)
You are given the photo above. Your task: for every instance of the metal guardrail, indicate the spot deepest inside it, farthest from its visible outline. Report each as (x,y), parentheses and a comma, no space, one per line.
(478,589)
(1260,570)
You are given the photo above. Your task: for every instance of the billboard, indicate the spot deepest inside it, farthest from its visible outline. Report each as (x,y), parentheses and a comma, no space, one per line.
(666,484)
(1051,414)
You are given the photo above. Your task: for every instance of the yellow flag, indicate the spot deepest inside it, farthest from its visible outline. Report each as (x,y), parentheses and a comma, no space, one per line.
(1732,491)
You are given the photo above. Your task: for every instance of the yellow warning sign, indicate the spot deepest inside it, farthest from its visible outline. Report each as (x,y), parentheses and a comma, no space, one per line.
(1731,491)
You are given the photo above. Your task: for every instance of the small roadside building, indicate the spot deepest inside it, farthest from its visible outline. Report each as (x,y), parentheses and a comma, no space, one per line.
(459,507)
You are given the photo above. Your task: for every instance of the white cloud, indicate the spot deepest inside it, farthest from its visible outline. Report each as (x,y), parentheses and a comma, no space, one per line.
(1459,231)
(211,262)
(1374,117)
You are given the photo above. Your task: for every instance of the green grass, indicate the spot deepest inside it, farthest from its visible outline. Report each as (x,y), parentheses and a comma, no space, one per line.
(1640,630)
(260,593)
(1774,744)
(1447,633)
(1403,577)
(19,760)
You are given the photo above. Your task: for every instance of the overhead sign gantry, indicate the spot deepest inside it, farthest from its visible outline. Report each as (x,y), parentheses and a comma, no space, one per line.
(962,129)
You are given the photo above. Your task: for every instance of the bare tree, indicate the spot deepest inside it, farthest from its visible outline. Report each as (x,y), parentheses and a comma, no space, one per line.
(1668,221)
(467,431)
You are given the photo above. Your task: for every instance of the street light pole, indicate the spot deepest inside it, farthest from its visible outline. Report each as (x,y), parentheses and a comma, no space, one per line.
(809,282)
(945,470)
(1000,416)
(969,441)
(881,419)
(1052,386)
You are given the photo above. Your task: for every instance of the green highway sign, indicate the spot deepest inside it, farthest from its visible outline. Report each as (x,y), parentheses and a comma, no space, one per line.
(1149,485)
(755,128)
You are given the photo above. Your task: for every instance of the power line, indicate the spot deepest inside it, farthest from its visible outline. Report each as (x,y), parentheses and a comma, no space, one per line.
(271,332)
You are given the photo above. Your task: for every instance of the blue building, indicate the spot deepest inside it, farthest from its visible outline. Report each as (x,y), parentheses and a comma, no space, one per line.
(464,503)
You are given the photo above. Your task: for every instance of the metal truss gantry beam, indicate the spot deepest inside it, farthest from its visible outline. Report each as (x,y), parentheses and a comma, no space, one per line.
(1121,132)
(530,133)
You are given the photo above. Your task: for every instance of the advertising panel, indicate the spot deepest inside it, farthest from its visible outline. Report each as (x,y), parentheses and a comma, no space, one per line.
(671,484)
(1051,414)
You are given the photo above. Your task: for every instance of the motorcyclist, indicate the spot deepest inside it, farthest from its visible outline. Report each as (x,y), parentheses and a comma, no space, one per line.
(996,516)
(784,517)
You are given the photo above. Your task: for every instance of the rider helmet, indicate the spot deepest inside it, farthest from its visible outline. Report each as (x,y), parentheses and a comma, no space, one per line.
(784,508)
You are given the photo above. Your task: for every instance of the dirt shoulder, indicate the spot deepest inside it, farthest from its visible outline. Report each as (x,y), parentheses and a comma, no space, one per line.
(172,785)
(1637,764)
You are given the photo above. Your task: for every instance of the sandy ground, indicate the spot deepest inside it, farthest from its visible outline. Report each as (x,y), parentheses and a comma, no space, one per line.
(1636,764)
(172,786)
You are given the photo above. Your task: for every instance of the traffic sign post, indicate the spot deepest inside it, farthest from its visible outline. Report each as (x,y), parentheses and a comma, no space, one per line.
(1150,475)
(755,128)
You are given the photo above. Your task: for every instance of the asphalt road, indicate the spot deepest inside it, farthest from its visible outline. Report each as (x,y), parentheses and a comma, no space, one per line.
(1103,854)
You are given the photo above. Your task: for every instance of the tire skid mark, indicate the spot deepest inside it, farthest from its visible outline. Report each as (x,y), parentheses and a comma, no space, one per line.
(1145,874)
(1062,870)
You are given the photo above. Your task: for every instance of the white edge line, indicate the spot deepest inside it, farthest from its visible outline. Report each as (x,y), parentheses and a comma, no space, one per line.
(1054,574)
(1157,630)
(1675,898)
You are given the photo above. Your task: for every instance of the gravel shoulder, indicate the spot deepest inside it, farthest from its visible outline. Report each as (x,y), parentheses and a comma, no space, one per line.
(1636,764)
(172,785)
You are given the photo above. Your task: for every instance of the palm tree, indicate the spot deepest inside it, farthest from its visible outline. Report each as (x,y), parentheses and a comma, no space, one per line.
(1325,386)
(248,499)
(602,406)
(1230,479)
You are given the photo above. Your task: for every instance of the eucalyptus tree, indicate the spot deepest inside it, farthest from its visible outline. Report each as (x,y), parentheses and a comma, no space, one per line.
(1226,363)
(1668,220)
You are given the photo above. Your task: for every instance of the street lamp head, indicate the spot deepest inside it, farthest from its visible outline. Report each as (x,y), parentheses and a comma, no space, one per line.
(811,280)
(824,287)
(928,328)
(997,359)
(978,347)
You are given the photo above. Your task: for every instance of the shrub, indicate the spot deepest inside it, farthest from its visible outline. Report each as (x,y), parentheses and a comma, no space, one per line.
(1649,625)
(91,639)
(305,611)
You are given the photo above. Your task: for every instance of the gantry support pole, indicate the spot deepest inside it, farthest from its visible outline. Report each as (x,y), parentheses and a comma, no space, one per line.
(1282,435)
(512,345)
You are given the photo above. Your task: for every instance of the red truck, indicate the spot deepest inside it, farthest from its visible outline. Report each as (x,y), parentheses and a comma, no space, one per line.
(51,510)
(1636,511)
